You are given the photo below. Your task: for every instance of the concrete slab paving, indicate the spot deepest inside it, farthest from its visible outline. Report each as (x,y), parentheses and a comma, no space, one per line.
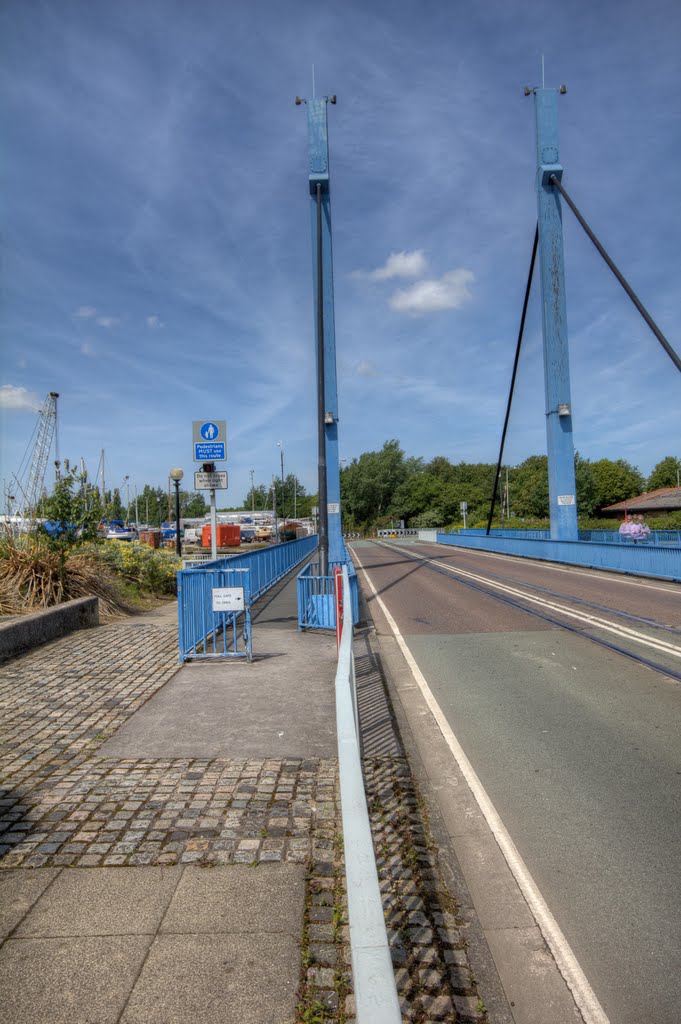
(108,901)
(76,980)
(239,898)
(19,890)
(513,947)
(236,709)
(217,979)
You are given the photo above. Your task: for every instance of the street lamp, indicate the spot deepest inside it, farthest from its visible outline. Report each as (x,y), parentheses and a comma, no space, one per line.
(281,448)
(176,475)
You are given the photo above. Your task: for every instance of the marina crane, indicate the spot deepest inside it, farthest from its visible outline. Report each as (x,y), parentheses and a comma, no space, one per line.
(30,479)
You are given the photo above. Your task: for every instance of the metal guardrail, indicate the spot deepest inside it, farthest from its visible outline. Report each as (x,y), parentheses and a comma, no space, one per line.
(655,537)
(205,633)
(376,999)
(637,559)
(317,595)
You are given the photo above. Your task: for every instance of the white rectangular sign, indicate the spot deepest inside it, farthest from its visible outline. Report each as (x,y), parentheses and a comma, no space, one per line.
(210,481)
(332,507)
(228,599)
(566,499)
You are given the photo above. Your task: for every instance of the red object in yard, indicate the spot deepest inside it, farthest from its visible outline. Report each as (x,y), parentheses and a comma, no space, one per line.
(228,535)
(150,537)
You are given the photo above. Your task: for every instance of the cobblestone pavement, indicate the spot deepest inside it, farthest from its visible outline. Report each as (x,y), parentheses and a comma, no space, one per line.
(61,804)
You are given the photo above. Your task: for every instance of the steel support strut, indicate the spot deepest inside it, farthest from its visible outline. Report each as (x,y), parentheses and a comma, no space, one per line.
(330,532)
(560,448)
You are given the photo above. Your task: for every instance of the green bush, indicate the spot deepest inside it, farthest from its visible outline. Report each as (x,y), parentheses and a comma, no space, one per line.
(151,571)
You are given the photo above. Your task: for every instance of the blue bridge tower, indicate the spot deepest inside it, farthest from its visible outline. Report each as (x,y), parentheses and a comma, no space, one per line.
(560,448)
(330,531)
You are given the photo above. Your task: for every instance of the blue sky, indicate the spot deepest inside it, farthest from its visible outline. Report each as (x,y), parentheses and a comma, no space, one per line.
(155,230)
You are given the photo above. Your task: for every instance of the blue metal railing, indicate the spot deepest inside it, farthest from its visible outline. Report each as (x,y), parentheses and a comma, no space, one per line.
(203,631)
(317,595)
(376,997)
(206,633)
(655,537)
(642,559)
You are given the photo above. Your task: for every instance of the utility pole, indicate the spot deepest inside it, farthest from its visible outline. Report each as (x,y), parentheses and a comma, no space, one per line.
(252,491)
(274,510)
(281,452)
(560,447)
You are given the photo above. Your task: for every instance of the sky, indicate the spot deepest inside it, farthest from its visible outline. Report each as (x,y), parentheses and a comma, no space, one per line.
(155,231)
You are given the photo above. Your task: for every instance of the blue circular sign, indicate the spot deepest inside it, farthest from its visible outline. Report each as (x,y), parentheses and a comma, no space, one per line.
(209,431)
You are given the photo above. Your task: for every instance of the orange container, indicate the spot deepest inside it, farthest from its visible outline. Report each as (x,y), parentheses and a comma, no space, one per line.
(228,535)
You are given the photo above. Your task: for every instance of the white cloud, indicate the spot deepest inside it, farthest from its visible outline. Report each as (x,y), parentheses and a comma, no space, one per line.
(398,264)
(450,291)
(86,349)
(364,368)
(155,322)
(12,397)
(107,321)
(85,312)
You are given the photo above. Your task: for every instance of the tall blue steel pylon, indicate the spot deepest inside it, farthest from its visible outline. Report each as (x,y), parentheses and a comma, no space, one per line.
(560,448)
(330,532)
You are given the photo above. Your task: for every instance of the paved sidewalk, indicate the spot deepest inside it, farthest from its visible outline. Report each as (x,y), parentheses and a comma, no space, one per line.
(170,837)
(115,758)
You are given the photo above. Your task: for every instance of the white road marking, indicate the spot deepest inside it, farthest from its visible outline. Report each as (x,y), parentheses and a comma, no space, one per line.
(592,620)
(568,965)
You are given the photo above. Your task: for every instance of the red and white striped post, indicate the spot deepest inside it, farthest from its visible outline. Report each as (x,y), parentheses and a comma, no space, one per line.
(338,584)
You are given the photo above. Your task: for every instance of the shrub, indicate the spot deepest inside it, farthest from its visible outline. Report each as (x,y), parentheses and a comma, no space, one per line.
(152,571)
(34,575)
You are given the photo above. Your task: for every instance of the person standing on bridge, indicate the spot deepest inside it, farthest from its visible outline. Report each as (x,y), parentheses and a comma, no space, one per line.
(642,529)
(627,527)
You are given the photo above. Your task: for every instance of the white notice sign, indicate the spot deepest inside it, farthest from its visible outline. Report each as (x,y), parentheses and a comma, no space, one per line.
(228,599)
(566,499)
(332,507)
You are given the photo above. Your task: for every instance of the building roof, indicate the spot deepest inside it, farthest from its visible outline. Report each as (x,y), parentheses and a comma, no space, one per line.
(665,499)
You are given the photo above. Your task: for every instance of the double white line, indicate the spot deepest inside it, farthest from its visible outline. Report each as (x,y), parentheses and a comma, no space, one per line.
(584,617)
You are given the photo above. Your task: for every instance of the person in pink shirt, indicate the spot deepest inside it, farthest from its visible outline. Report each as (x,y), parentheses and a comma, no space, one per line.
(627,528)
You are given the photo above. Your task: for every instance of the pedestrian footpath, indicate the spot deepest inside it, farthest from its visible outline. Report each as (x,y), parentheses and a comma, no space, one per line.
(170,837)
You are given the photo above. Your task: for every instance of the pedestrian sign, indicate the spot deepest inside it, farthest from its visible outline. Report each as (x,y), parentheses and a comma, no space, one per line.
(209,431)
(209,439)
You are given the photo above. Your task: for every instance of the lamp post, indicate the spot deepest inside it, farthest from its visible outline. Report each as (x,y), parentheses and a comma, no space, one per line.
(176,475)
(281,452)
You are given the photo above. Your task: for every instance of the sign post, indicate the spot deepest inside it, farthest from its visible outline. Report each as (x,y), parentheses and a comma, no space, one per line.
(209,442)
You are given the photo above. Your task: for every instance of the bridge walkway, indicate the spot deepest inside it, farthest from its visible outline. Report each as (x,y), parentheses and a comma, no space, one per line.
(122,775)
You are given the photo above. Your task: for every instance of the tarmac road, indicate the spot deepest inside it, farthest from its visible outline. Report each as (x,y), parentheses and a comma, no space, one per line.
(578,747)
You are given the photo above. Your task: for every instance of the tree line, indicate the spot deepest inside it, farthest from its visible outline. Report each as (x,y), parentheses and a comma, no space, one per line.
(382,487)
(74,499)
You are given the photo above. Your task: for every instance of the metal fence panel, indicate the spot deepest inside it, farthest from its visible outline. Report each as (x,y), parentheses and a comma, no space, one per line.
(317,596)
(637,559)
(204,633)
